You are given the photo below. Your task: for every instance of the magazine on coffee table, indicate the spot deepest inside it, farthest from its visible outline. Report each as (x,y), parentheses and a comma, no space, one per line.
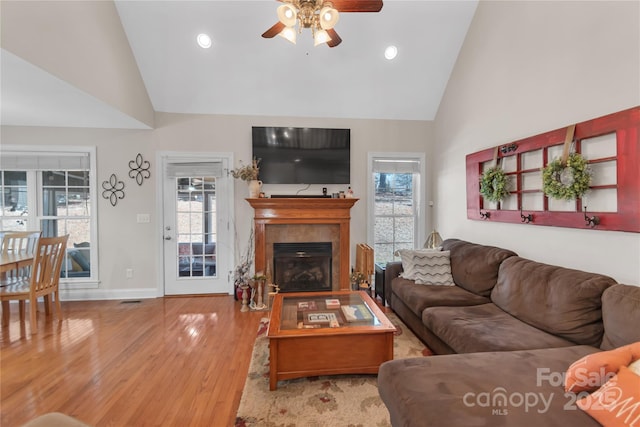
(321,319)
(355,313)
(307,305)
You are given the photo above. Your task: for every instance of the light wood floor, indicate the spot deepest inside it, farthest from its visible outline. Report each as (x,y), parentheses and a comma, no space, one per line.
(157,362)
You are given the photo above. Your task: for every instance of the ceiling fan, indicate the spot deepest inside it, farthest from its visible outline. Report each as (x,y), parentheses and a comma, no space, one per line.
(319,15)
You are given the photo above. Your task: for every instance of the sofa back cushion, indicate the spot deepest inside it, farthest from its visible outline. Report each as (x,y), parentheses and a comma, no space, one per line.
(621,316)
(475,267)
(560,301)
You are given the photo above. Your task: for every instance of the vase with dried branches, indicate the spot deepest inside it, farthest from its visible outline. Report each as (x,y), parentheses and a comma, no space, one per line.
(249,173)
(242,274)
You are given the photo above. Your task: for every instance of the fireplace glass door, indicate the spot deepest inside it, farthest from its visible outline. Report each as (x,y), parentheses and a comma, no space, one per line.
(302,267)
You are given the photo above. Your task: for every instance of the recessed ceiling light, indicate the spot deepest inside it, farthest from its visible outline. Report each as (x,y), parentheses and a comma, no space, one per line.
(390,52)
(204,41)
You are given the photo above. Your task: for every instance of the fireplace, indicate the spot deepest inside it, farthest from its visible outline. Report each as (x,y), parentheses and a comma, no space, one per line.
(302,266)
(293,220)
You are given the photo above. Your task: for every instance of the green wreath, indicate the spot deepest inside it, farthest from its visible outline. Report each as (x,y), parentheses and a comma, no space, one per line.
(566,181)
(493,184)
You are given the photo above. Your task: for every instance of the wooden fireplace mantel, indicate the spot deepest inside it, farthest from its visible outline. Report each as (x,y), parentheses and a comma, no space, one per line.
(303,211)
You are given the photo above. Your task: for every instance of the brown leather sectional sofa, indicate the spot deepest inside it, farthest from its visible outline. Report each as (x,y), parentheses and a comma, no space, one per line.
(516,326)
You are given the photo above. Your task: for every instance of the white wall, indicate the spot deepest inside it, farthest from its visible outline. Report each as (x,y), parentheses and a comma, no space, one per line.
(528,67)
(126,244)
(82,43)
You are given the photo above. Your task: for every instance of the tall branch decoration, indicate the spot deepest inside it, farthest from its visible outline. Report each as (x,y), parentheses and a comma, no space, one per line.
(113,189)
(139,169)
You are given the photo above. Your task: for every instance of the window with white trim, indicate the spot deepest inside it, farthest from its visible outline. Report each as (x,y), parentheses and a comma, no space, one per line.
(397,211)
(14,210)
(53,191)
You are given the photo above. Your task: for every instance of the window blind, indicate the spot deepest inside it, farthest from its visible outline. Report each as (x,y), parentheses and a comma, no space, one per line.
(396,166)
(187,169)
(30,160)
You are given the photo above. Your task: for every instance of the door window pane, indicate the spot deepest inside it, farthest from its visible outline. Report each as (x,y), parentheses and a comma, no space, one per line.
(196,225)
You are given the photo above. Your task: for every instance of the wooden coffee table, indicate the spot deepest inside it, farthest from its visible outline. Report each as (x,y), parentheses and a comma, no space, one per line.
(309,336)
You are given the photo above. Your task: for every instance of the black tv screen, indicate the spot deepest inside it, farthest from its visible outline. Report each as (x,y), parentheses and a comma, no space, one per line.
(302,155)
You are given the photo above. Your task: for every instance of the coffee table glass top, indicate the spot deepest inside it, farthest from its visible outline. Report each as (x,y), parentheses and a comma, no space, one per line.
(325,310)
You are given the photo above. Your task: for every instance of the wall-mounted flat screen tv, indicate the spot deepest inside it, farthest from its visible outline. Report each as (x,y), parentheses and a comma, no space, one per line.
(302,155)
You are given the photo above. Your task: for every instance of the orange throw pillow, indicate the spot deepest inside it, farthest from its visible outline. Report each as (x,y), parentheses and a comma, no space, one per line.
(593,370)
(617,403)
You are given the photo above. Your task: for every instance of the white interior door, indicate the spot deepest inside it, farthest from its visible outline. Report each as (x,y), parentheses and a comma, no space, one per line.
(196,239)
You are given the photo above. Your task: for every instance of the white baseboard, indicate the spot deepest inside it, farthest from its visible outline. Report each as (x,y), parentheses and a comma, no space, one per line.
(107,294)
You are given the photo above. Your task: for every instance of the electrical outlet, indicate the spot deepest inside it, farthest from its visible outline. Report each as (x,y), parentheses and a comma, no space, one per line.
(129,273)
(144,218)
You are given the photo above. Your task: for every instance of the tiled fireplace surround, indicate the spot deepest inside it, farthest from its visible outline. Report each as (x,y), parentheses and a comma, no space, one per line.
(288,220)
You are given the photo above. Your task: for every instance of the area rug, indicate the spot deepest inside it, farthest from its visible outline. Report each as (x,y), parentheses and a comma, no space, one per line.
(340,400)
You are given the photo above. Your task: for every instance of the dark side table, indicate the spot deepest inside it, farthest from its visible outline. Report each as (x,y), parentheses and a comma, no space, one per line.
(379,281)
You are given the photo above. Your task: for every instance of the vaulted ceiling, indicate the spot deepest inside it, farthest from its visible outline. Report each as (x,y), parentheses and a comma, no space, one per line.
(245,74)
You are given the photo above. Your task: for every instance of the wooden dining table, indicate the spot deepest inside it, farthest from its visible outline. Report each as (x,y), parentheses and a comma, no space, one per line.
(12,262)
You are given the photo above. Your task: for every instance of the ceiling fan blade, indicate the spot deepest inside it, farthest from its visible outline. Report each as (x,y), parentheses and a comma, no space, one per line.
(357,5)
(335,38)
(273,31)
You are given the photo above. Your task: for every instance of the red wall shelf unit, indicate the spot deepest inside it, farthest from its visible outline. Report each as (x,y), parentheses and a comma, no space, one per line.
(611,145)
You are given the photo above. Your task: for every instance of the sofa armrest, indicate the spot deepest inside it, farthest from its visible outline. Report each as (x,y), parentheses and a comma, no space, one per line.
(391,271)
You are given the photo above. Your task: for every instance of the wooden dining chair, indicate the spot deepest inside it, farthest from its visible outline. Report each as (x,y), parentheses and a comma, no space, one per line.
(16,242)
(42,282)
(20,241)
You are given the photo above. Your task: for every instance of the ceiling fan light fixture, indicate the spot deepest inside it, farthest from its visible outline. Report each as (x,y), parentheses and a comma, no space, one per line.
(320,16)
(328,17)
(321,36)
(287,14)
(289,33)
